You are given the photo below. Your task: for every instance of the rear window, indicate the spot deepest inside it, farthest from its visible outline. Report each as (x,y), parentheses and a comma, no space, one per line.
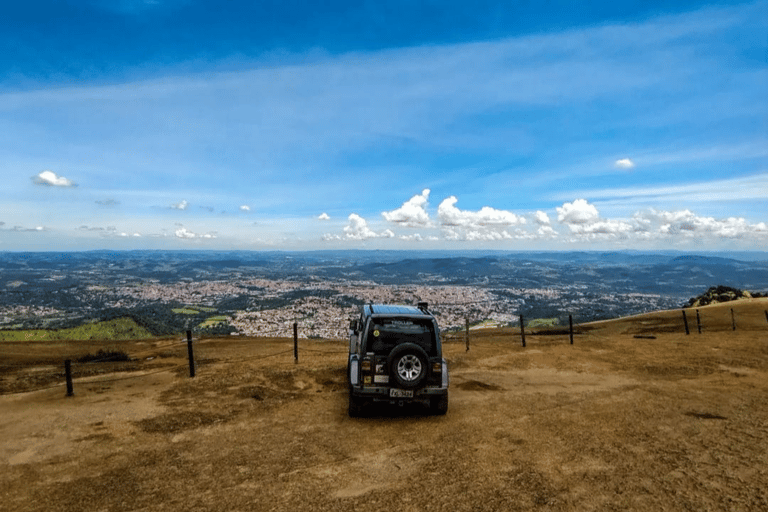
(385,333)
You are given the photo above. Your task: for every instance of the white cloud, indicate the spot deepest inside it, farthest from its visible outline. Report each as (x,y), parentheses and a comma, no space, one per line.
(577,212)
(184,233)
(180,206)
(607,228)
(583,220)
(412,213)
(485,217)
(29,230)
(546,232)
(50,179)
(624,163)
(245,208)
(686,224)
(484,225)
(324,216)
(542,218)
(357,228)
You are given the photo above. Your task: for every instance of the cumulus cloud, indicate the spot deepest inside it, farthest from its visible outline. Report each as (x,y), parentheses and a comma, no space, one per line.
(324,216)
(357,228)
(485,217)
(577,212)
(50,179)
(624,163)
(687,224)
(184,233)
(546,232)
(180,206)
(541,218)
(484,225)
(583,219)
(412,213)
(245,208)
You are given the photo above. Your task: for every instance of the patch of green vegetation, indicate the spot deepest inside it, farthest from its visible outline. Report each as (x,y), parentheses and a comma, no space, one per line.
(214,320)
(185,311)
(206,309)
(544,322)
(115,329)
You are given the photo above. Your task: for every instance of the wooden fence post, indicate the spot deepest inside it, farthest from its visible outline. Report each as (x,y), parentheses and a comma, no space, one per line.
(766,315)
(733,319)
(522,329)
(295,342)
(570,327)
(698,321)
(191,355)
(685,321)
(466,332)
(68,375)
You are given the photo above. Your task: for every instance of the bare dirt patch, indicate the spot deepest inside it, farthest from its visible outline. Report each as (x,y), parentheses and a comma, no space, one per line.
(612,422)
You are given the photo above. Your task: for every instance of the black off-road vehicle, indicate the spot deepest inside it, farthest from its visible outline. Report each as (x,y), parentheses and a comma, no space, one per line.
(395,356)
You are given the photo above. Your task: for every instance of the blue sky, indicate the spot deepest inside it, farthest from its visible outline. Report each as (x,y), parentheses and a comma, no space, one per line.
(177,124)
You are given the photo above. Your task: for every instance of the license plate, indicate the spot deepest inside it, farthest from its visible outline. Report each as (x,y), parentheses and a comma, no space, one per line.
(401,393)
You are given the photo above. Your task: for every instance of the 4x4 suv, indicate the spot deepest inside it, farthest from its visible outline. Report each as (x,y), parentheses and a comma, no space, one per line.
(395,356)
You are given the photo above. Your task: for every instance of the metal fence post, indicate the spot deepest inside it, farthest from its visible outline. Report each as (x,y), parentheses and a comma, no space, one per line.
(295,342)
(522,329)
(191,354)
(68,375)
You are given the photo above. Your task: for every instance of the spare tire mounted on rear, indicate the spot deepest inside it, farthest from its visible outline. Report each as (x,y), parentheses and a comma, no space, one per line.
(408,365)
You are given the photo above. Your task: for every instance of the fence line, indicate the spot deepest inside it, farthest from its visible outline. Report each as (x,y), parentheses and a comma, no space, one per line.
(576,328)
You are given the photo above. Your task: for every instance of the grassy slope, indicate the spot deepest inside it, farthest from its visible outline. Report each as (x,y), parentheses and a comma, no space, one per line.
(117,329)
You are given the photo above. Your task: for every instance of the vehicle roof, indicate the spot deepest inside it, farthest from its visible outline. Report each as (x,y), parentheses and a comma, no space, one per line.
(392,309)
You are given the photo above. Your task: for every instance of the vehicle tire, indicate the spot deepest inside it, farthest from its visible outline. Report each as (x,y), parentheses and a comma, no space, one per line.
(356,406)
(439,405)
(408,365)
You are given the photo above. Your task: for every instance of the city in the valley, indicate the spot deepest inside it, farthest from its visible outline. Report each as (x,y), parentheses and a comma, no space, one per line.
(264,294)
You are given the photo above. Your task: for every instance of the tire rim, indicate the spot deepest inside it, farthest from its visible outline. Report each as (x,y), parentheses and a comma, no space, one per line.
(409,367)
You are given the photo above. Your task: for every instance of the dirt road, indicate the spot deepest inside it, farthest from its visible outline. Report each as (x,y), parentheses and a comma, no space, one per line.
(613,422)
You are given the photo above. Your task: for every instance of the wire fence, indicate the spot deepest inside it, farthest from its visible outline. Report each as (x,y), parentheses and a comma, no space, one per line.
(101,368)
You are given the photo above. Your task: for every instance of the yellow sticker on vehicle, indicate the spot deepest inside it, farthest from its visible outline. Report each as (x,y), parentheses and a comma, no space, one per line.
(376,333)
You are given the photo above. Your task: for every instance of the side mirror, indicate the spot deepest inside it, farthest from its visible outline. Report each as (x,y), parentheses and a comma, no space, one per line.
(353,325)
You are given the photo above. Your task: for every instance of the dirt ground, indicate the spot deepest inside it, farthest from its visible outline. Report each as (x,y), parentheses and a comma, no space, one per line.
(635,415)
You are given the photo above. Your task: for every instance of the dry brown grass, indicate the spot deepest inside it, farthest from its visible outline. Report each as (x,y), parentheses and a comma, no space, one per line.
(613,422)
